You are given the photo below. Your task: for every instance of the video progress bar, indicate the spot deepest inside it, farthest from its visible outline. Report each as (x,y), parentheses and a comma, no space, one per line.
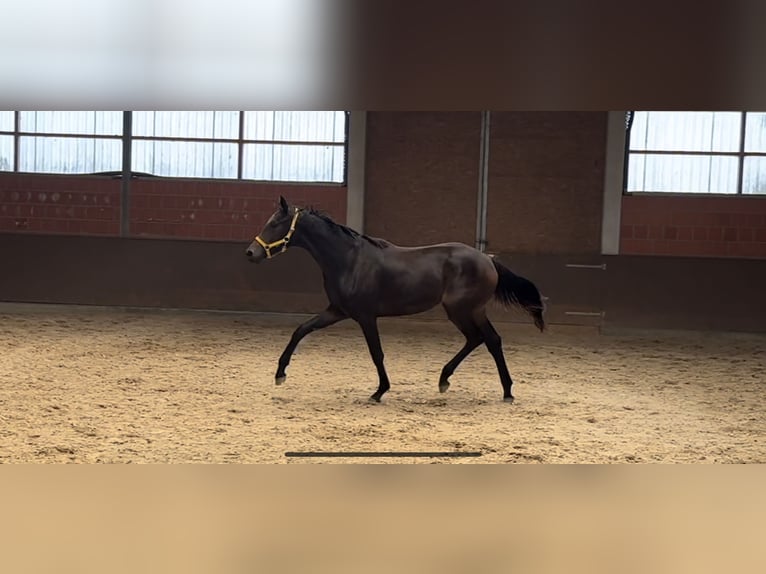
(385,454)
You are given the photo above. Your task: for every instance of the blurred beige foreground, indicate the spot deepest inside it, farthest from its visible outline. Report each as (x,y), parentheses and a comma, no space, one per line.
(382,519)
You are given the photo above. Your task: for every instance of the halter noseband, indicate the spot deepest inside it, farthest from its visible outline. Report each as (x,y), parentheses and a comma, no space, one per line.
(267,247)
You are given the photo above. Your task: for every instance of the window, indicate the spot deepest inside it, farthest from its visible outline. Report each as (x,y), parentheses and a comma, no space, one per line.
(186,144)
(263,145)
(294,146)
(271,146)
(697,152)
(69,142)
(60,142)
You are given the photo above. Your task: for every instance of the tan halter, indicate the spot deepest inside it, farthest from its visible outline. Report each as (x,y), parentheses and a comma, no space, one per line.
(267,247)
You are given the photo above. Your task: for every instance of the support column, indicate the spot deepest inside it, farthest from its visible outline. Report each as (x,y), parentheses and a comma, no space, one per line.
(357,157)
(481,207)
(613,180)
(127,155)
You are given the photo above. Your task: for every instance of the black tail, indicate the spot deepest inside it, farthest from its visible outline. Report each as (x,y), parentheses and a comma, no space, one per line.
(513,289)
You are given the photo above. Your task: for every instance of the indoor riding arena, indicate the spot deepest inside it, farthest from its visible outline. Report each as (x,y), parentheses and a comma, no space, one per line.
(134,328)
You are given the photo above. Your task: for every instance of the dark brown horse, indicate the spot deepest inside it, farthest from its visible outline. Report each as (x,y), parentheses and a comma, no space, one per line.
(366,278)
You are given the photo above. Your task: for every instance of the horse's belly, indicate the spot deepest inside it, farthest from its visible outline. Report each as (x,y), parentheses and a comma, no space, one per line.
(408,300)
(405,309)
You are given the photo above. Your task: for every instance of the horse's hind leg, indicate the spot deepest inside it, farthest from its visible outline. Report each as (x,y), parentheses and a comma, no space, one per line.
(473,338)
(494,345)
(328,317)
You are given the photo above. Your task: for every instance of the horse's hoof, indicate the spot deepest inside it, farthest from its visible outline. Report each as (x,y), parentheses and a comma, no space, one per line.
(279,380)
(508,399)
(443,387)
(374,399)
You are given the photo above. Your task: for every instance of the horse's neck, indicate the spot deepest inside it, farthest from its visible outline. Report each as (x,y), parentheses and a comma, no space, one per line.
(327,247)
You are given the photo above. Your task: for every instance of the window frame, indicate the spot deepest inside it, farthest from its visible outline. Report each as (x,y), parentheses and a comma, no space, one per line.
(740,154)
(128,139)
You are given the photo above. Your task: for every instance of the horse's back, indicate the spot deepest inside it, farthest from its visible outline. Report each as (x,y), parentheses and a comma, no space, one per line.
(456,265)
(407,280)
(451,254)
(449,248)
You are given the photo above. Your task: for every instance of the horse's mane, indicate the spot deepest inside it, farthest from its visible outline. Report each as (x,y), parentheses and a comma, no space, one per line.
(377,242)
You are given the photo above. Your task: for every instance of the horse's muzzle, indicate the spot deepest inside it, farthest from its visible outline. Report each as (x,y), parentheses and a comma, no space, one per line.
(252,256)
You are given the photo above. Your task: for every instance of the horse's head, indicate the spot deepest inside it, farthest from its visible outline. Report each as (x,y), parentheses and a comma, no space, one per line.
(275,236)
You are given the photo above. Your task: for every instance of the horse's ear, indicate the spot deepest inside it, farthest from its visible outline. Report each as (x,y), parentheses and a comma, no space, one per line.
(283,204)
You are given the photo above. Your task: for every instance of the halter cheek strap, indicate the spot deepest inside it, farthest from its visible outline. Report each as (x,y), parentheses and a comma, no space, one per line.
(267,247)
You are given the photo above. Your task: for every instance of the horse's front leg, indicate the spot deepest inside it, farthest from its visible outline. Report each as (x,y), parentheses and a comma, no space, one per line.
(371,335)
(328,317)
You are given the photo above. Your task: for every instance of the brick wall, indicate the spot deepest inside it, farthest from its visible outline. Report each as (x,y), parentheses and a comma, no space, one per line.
(421,176)
(694,226)
(221,210)
(159,208)
(546,181)
(59,204)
